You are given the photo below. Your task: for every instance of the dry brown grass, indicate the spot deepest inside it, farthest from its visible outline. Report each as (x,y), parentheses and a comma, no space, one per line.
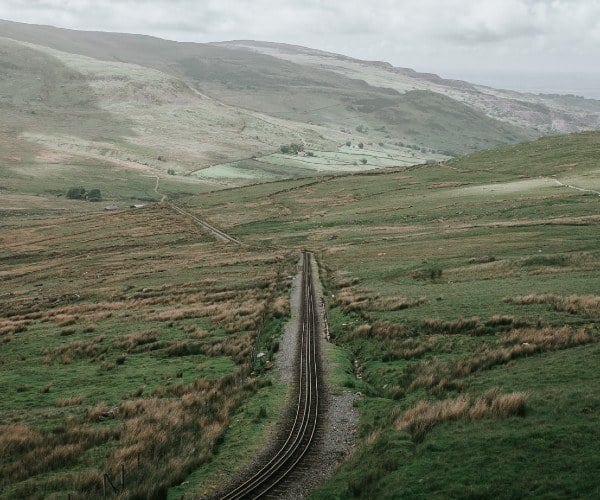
(77,350)
(574,304)
(132,341)
(381,330)
(440,375)
(396,303)
(42,451)
(420,419)
(11,326)
(472,326)
(238,348)
(353,299)
(281,306)
(18,438)
(74,401)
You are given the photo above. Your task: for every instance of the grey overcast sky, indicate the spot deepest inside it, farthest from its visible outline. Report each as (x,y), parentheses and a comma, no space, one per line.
(455,38)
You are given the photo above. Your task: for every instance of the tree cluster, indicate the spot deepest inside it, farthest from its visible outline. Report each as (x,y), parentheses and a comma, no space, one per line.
(291,149)
(80,193)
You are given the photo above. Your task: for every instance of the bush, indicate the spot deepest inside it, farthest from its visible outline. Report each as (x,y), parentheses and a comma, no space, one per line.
(364,161)
(348,143)
(76,193)
(94,195)
(361,145)
(291,149)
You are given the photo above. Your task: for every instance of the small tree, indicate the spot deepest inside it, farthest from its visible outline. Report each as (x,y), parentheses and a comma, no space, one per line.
(364,161)
(94,195)
(291,149)
(296,148)
(361,145)
(348,143)
(76,193)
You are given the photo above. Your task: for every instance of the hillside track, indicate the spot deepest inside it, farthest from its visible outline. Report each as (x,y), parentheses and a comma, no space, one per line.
(216,232)
(289,455)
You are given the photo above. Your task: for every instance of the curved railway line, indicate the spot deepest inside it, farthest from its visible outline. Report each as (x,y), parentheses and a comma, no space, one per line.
(303,425)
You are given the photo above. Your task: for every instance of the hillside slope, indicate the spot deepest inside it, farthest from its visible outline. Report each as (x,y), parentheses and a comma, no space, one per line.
(169,117)
(329,91)
(545,113)
(463,304)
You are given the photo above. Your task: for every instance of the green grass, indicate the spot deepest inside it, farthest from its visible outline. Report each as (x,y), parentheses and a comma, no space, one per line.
(105,329)
(494,227)
(552,452)
(245,439)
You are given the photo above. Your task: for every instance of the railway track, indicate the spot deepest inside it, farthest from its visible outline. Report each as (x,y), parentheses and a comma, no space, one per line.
(216,232)
(303,424)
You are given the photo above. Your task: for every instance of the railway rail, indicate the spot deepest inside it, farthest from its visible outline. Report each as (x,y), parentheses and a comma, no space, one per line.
(303,424)
(216,232)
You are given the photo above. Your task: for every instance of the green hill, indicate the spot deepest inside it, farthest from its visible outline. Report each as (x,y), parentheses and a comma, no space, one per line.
(454,292)
(462,302)
(461,293)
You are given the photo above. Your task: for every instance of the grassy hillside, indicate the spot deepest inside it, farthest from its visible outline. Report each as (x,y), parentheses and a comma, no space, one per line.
(287,90)
(128,339)
(545,113)
(465,297)
(462,296)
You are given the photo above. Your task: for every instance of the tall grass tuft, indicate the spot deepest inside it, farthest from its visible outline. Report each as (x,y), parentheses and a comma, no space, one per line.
(573,304)
(423,417)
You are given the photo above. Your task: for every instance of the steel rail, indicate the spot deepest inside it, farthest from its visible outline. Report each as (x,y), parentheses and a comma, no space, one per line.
(302,431)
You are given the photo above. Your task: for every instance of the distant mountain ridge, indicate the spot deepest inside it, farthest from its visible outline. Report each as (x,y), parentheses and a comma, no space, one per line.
(159,105)
(545,113)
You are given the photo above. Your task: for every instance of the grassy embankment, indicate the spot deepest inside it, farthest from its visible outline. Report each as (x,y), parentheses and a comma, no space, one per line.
(466,295)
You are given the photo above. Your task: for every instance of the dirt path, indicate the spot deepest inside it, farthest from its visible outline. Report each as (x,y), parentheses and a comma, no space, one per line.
(573,187)
(164,196)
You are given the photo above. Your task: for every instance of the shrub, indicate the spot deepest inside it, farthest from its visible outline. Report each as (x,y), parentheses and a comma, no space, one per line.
(76,193)
(361,145)
(291,149)
(364,161)
(94,195)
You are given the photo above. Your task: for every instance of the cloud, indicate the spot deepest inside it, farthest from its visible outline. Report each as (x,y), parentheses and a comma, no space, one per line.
(425,34)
